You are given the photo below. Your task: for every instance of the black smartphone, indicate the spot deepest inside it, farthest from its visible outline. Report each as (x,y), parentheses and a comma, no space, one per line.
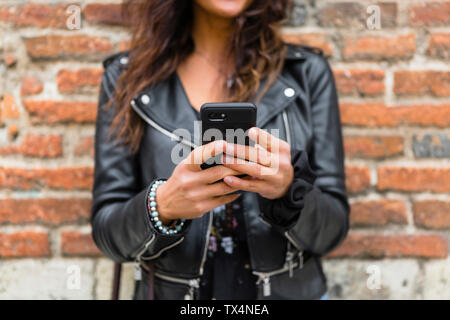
(227,121)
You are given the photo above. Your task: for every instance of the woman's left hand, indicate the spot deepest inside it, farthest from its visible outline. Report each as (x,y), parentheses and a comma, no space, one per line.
(269,169)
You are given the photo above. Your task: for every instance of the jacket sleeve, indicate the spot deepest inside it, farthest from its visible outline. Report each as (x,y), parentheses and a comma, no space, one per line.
(121,227)
(316,214)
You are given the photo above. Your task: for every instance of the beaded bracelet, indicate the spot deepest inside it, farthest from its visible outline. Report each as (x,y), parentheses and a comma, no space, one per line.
(154,215)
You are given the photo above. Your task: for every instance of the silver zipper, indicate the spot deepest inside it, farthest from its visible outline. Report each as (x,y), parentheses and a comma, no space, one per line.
(264,277)
(163,249)
(264,221)
(137,262)
(159,128)
(192,283)
(206,242)
(286,127)
(300,251)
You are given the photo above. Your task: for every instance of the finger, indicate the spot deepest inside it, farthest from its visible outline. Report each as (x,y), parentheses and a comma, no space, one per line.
(252,185)
(265,139)
(215,173)
(254,154)
(200,154)
(218,189)
(218,201)
(251,168)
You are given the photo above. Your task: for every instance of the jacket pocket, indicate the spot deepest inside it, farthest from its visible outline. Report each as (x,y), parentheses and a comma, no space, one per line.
(165,287)
(307,283)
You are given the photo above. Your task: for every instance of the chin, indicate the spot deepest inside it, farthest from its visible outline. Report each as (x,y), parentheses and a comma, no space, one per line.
(224,8)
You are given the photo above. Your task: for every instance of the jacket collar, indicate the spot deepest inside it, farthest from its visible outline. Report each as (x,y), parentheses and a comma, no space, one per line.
(167,104)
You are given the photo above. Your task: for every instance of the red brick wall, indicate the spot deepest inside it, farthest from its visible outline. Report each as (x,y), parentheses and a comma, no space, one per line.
(394,86)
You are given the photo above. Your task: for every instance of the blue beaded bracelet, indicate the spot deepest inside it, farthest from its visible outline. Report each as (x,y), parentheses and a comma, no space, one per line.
(154,215)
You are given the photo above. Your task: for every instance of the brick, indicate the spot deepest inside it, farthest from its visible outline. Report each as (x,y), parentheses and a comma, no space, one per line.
(311,39)
(75,243)
(380,115)
(413,179)
(436,145)
(357,178)
(68,47)
(432,214)
(35,15)
(85,147)
(373,146)
(31,85)
(13,131)
(436,83)
(376,48)
(124,45)
(439,46)
(46,146)
(354,15)
(9,58)
(80,178)
(299,14)
(49,211)
(52,112)
(360,82)
(10,108)
(391,246)
(24,244)
(81,80)
(104,13)
(378,213)
(37,145)
(430,14)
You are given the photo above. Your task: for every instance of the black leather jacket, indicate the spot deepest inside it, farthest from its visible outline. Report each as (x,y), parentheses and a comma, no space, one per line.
(286,259)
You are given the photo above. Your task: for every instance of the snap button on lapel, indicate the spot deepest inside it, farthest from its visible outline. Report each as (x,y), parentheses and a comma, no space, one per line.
(289,92)
(145,99)
(123,60)
(298,54)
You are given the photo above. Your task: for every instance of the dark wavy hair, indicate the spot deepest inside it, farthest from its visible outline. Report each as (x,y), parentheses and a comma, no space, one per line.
(161,39)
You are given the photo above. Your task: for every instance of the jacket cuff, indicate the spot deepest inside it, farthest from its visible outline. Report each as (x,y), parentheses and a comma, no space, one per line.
(285,211)
(160,242)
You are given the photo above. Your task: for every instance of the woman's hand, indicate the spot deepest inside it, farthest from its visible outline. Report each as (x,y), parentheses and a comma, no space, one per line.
(191,192)
(270,170)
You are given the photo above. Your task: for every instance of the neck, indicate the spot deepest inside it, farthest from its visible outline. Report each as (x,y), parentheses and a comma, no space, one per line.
(211,33)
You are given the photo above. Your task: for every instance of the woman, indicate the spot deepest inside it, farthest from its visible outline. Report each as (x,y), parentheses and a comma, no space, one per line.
(192,238)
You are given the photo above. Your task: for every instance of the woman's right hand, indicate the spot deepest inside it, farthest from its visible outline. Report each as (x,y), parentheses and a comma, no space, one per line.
(190,192)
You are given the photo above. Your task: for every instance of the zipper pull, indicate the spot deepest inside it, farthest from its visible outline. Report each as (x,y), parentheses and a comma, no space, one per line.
(289,260)
(190,294)
(137,271)
(193,284)
(300,257)
(266,286)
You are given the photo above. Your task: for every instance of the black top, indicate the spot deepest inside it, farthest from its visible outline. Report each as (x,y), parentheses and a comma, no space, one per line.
(227,272)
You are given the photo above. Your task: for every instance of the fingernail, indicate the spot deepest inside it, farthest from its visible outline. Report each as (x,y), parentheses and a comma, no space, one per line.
(228,179)
(230,148)
(253,132)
